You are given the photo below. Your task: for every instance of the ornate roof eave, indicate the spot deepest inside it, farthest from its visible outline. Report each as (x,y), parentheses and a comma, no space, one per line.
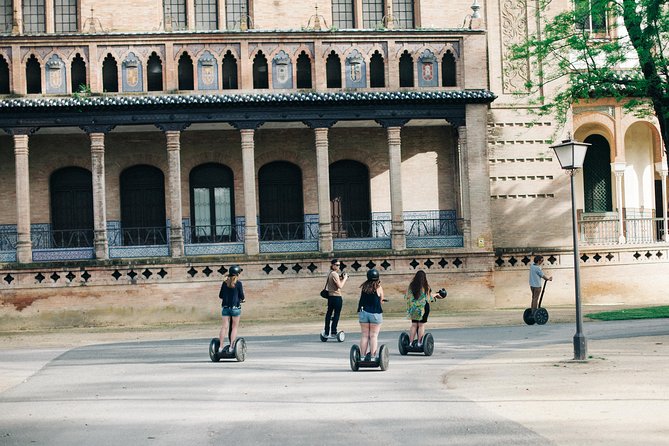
(263,107)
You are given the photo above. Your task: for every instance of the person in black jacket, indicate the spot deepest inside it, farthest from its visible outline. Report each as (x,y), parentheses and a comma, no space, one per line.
(232,297)
(370,314)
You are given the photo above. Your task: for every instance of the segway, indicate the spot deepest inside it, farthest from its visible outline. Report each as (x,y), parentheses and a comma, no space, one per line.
(367,362)
(540,315)
(340,336)
(238,350)
(426,348)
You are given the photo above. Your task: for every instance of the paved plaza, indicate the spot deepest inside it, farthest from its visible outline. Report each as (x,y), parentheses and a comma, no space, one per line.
(501,385)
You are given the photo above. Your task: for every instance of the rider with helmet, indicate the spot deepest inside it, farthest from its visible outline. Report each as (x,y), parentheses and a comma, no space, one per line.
(232,296)
(370,314)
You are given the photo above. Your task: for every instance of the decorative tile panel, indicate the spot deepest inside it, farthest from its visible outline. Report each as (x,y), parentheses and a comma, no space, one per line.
(357,244)
(289,246)
(130,252)
(50,255)
(200,249)
(456,241)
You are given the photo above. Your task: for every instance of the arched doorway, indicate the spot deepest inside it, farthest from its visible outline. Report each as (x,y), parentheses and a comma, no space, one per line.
(143,206)
(260,73)
(33,76)
(154,73)
(281,201)
(212,209)
(377,68)
(333,71)
(597,175)
(78,69)
(229,72)
(406,70)
(186,81)
(303,71)
(71,193)
(349,199)
(110,74)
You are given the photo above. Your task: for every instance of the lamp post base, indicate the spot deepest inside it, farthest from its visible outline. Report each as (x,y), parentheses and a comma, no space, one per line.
(580,347)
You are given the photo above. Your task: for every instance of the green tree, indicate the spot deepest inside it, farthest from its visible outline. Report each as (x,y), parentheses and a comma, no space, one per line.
(601,49)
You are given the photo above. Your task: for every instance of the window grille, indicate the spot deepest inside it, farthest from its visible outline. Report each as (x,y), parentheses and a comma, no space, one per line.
(236,11)
(174,13)
(372,13)
(403,14)
(6,17)
(206,14)
(342,14)
(34,20)
(65,16)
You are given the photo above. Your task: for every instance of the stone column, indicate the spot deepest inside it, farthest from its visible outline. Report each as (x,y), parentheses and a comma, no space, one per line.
(49,17)
(173,135)
(251,244)
(478,177)
(17,18)
(619,170)
(24,252)
(663,170)
(100,242)
(463,183)
(397,234)
(323,177)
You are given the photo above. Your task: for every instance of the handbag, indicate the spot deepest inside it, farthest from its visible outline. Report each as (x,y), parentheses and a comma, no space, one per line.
(324,292)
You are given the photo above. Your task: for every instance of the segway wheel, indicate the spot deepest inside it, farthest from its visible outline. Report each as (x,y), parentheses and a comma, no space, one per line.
(354,357)
(323,338)
(213,350)
(341,336)
(240,350)
(541,316)
(428,344)
(384,358)
(527,317)
(403,344)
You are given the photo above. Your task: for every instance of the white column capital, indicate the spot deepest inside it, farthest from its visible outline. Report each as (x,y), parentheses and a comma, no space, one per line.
(661,167)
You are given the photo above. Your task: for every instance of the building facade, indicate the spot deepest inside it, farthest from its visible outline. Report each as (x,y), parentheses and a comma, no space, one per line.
(149,145)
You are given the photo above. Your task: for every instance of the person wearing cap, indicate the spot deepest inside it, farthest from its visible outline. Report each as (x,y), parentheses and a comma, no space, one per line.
(232,297)
(418,298)
(334,284)
(370,314)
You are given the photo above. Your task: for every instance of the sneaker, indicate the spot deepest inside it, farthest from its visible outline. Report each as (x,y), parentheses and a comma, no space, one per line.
(414,343)
(419,345)
(226,349)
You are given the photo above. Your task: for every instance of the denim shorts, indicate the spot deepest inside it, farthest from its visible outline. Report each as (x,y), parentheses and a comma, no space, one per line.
(231,311)
(370,318)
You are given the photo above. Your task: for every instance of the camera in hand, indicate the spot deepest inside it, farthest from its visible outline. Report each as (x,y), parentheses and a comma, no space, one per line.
(442,292)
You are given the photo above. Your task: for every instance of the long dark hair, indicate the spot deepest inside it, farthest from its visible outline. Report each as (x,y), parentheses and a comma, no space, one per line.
(370,286)
(419,284)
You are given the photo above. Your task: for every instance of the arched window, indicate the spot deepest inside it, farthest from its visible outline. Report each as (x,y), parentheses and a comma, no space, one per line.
(448,77)
(281,201)
(377,76)
(597,175)
(154,73)
(406,70)
(71,191)
(303,71)
(212,209)
(260,76)
(33,76)
(4,76)
(349,199)
(229,72)
(333,71)
(186,73)
(143,206)
(78,69)
(110,74)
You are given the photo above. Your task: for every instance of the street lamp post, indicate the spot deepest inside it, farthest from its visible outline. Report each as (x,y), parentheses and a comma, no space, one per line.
(571,155)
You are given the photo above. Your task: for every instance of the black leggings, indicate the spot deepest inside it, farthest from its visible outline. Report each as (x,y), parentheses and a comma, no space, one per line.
(334,309)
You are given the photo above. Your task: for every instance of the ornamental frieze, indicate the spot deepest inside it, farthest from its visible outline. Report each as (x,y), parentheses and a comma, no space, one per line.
(515,73)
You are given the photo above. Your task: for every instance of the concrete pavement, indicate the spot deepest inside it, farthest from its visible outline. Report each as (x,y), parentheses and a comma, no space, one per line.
(492,385)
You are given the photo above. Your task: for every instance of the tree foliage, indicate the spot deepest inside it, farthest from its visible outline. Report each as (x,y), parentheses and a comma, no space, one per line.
(601,49)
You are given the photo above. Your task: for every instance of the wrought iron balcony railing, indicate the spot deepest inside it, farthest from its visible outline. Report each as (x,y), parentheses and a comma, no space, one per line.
(288,231)
(214,233)
(64,239)
(432,227)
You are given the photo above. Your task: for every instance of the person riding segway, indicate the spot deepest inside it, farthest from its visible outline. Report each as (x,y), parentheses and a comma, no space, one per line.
(232,296)
(370,316)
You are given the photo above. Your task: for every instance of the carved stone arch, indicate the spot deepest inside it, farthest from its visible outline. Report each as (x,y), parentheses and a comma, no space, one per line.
(449,48)
(327,51)
(259,49)
(376,47)
(37,55)
(222,52)
(409,49)
(302,47)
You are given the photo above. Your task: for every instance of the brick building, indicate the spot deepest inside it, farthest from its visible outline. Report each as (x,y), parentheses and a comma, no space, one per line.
(150,144)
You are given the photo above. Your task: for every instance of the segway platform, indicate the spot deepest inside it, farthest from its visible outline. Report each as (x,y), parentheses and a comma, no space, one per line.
(426,348)
(358,362)
(340,337)
(540,315)
(238,350)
